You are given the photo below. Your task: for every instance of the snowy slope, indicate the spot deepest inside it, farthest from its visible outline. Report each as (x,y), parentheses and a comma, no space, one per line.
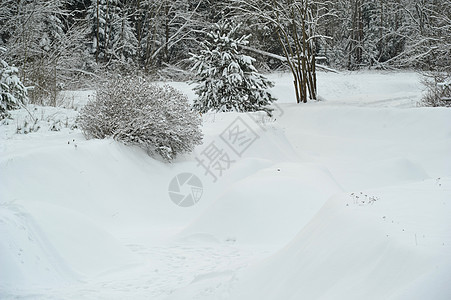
(347,198)
(388,233)
(387,248)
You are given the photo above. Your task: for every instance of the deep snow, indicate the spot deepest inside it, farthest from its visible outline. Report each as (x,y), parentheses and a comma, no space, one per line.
(346,198)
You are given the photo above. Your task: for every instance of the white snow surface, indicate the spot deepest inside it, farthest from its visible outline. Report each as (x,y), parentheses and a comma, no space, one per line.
(344,198)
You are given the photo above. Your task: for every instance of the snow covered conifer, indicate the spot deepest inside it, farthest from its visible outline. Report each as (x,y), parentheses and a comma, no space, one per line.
(12,91)
(226,78)
(112,33)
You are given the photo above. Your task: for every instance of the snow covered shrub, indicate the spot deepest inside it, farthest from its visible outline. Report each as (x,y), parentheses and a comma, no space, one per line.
(12,91)
(226,78)
(438,87)
(136,112)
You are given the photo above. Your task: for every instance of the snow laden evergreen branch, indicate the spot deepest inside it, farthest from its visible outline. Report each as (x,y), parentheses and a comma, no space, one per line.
(227,79)
(12,91)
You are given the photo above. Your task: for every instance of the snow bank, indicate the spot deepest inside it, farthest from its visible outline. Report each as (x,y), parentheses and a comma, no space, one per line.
(356,250)
(27,257)
(46,245)
(267,207)
(371,147)
(346,198)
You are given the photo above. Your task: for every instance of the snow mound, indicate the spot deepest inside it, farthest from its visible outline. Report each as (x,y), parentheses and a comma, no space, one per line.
(84,246)
(25,253)
(331,201)
(388,172)
(391,247)
(55,246)
(110,183)
(267,207)
(270,142)
(372,147)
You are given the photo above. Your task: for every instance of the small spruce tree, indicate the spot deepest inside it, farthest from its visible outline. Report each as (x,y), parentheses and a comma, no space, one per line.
(226,79)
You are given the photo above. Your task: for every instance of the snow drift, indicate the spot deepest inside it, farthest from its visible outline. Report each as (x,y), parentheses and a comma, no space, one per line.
(347,198)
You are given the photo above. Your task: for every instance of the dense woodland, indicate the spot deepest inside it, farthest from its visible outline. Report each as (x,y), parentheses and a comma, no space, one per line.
(59,44)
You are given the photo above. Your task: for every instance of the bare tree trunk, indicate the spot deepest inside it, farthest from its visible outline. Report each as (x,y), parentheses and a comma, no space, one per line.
(296,46)
(138,29)
(97,33)
(166,31)
(108,30)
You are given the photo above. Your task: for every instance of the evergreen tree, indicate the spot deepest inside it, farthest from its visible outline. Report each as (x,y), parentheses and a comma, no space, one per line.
(113,37)
(12,91)
(227,79)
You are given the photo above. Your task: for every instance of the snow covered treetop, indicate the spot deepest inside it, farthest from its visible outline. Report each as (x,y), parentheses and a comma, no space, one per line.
(224,35)
(227,79)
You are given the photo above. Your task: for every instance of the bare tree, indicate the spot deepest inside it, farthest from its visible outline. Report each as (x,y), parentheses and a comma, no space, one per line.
(43,44)
(294,25)
(389,33)
(166,29)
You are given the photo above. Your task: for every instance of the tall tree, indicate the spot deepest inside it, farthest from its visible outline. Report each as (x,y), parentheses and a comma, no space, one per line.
(40,42)
(167,28)
(113,37)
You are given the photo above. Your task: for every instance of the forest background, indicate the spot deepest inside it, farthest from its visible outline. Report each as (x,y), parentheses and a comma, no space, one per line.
(66,44)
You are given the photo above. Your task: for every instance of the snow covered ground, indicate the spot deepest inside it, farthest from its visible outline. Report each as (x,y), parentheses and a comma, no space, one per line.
(346,198)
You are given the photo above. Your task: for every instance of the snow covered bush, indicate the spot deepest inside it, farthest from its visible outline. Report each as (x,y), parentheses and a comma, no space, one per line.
(12,92)
(226,78)
(136,112)
(438,93)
